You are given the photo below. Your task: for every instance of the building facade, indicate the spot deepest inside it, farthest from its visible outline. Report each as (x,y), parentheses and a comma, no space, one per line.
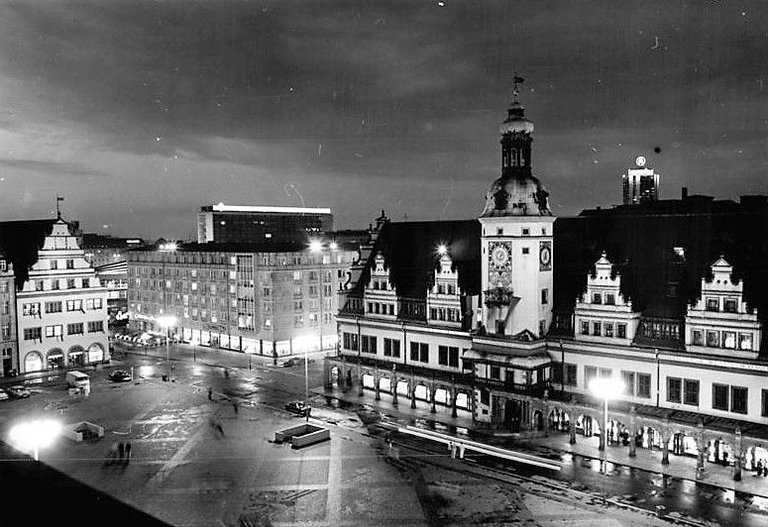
(509,318)
(640,184)
(61,307)
(8,340)
(270,299)
(257,224)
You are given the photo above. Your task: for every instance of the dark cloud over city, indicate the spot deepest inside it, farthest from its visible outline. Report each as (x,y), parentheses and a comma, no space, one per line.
(361,106)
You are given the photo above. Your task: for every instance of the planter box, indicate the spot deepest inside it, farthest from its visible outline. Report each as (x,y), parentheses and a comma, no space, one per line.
(77,432)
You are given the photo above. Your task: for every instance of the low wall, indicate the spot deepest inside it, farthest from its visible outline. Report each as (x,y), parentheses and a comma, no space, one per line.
(303,435)
(77,431)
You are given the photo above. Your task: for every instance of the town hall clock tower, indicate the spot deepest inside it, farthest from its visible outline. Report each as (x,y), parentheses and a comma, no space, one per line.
(516,239)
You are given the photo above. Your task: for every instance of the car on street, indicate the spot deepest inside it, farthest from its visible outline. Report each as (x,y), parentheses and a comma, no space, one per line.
(3,395)
(18,392)
(289,363)
(120,376)
(299,408)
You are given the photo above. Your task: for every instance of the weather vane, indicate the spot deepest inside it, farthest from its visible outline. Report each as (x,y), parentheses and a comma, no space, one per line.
(516,90)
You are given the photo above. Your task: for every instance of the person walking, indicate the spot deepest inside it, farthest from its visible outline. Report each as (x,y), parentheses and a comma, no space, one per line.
(120,450)
(234,407)
(128,452)
(210,394)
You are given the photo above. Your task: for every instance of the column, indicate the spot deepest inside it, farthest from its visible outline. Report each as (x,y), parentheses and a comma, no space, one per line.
(360,379)
(737,455)
(700,449)
(377,397)
(632,431)
(665,442)
(454,413)
(572,432)
(394,390)
(604,430)
(327,367)
(412,387)
(432,390)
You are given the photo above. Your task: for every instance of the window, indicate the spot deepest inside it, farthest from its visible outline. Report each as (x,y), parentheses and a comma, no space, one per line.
(526,232)
(621,331)
(87,283)
(70,283)
(545,296)
(608,329)
(596,328)
(391,347)
(764,404)
(713,339)
(485,396)
(267,323)
(597,298)
(54,331)
(297,276)
(70,264)
(448,356)
(54,264)
(691,392)
(674,388)
(33,333)
(713,304)
(730,305)
(75,329)
(610,299)
(628,378)
(745,341)
(698,337)
(526,250)
(31,309)
(499,231)
(298,320)
(74,305)
(590,372)
(495,372)
(350,341)
(96,326)
(738,400)
(585,328)
(368,344)
(606,373)
(720,397)
(729,340)
(53,307)
(420,351)
(39,285)
(644,385)
(93,303)
(55,284)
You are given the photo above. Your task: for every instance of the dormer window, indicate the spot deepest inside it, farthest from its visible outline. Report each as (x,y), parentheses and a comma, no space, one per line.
(597,298)
(441,289)
(730,305)
(451,289)
(713,304)
(610,299)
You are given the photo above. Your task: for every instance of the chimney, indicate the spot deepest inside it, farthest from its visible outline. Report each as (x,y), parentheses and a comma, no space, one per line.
(684,195)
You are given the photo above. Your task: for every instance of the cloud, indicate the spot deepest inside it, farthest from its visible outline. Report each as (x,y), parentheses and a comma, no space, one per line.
(50,167)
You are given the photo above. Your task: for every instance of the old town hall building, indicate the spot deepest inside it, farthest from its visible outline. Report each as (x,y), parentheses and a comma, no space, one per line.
(507,318)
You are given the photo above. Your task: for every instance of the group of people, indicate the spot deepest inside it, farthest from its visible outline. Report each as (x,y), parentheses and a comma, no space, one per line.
(119,453)
(761,468)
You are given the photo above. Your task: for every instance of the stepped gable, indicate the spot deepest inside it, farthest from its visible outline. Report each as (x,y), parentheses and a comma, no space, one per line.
(410,254)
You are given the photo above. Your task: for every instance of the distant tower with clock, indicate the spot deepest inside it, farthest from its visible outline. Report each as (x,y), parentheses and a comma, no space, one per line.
(640,184)
(516,238)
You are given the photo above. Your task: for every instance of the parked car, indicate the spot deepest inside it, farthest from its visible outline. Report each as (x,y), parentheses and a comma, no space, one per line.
(18,392)
(289,363)
(120,376)
(3,395)
(299,408)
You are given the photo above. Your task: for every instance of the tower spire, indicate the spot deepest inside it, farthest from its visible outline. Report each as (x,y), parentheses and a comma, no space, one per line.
(59,199)
(516,90)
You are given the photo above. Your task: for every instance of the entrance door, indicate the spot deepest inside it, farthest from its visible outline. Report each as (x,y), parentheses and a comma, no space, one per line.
(512,415)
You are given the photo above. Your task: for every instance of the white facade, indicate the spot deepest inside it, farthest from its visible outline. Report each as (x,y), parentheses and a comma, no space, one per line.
(516,267)
(61,308)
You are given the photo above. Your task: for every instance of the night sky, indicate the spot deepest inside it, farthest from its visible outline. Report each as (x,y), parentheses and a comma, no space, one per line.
(140,112)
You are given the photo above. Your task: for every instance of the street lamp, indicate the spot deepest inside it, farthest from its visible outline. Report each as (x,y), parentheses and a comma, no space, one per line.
(167,322)
(34,435)
(606,389)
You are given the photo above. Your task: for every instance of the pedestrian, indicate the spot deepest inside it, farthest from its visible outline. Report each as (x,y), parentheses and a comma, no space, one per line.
(120,450)
(112,454)
(127,452)
(765,469)
(210,394)
(234,406)
(759,468)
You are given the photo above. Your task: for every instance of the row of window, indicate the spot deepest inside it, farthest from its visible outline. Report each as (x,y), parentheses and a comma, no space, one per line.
(722,339)
(610,298)
(730,305)
(54,264)
(419,351)
(77,328)
(70,283)
(33,308)
(526,231)
(381,308)
(608,329)
(445,313)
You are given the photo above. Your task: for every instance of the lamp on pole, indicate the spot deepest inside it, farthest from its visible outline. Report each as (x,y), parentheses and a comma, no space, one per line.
(167,322)
(34,435)
(606,389)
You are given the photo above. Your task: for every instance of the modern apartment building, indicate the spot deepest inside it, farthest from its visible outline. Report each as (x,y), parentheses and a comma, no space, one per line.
(270,298)
(257,224)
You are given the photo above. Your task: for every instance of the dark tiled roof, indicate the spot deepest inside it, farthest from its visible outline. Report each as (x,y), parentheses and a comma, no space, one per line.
(642,239)
(20,242)
(410,253)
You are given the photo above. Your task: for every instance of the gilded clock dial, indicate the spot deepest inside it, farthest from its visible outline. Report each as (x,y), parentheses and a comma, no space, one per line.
(500,256)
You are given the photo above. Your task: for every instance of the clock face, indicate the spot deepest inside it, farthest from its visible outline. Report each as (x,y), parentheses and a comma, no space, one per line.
(500,256)
(545,256)
(640,161)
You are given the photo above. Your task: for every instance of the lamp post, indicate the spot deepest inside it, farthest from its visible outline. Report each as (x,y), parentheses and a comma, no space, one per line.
(34,435)
(167,322)
(606,389)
